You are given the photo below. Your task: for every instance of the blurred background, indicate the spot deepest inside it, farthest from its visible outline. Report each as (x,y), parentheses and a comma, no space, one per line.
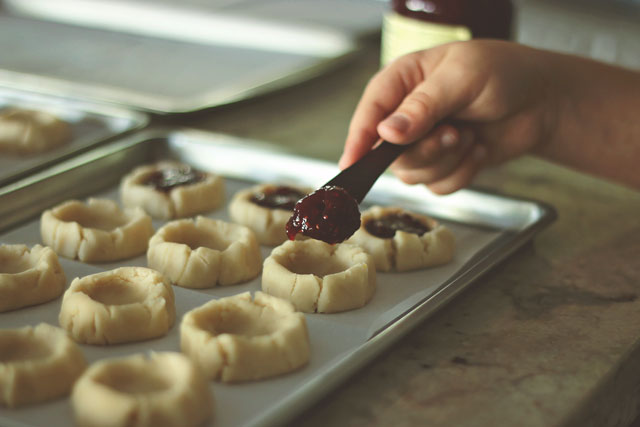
(169,56)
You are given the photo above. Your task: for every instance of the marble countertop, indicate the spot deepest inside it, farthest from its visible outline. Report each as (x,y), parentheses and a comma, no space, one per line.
(548,338)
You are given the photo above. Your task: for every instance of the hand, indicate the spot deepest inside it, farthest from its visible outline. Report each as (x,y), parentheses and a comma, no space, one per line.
(464,105)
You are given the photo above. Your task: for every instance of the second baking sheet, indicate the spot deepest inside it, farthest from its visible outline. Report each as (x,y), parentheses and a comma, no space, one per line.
(90,124)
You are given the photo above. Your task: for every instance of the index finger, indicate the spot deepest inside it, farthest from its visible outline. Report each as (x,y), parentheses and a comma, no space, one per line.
(405,100)
(382,95)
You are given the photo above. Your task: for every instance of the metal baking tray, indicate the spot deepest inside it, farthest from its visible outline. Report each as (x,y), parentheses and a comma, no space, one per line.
(90,124)
(357,19)
(487,228)
(161,58)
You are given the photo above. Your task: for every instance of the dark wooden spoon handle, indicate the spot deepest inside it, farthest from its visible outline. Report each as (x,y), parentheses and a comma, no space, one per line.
(358,178)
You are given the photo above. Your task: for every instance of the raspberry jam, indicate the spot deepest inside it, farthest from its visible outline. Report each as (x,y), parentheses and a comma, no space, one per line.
(281,197)
(386,227)
(167,179)
(329,214)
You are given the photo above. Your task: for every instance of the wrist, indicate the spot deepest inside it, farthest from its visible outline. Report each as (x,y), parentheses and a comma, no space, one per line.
(556,103)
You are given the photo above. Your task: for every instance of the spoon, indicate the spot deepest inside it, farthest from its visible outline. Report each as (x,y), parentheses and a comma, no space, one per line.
(358,178)
(331,213)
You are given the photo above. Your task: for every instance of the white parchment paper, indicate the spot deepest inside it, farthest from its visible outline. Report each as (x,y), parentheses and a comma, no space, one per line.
(333,336)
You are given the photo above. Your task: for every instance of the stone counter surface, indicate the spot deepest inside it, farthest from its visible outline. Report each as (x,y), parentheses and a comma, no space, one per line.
(547,338)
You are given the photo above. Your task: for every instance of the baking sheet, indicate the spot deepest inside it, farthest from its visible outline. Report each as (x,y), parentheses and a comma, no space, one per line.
(487,228)
(164,59)
(90,125)
(353,18)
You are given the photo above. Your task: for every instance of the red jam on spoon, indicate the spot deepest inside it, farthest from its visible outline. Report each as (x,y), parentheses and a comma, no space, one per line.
(329,214)
(386,227)
(167,179)
(281,197)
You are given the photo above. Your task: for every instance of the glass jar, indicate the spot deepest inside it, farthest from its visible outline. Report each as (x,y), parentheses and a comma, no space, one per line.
(413,25)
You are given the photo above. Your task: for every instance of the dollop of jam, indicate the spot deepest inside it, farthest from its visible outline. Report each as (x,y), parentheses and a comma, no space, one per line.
(329,214)
(167,179)
(386,226)
(281,197)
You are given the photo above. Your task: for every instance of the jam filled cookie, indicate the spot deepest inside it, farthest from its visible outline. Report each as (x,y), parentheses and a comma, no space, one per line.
(266,208)
(37,364)
(162,389)
(319,277)
(29,276)
(205,253)
(97,231)
(122,305)
(31,132)
(401,240)
(167,190)
(238,339)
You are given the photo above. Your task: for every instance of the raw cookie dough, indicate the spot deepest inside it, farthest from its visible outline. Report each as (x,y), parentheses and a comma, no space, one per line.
(29,276)
(236,339)
(30,132)
(181,191)
(405,250)
(37,364)
(205,253)
(96,231)
(318,277)
(252,207)
(122,305)
(160,390)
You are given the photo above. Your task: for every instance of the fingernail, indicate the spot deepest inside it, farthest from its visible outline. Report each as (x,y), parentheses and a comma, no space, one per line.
(448,139)
(479,153)
(398,122)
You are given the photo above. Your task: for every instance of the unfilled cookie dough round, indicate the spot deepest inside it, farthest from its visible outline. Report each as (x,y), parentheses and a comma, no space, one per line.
(205,253)
(168,190)
(318,277)
(236,339)
(97,231)
(37,364)
(266,208)
(29,276)
(31,132)
(159,390)
(122,305)
(426,243)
